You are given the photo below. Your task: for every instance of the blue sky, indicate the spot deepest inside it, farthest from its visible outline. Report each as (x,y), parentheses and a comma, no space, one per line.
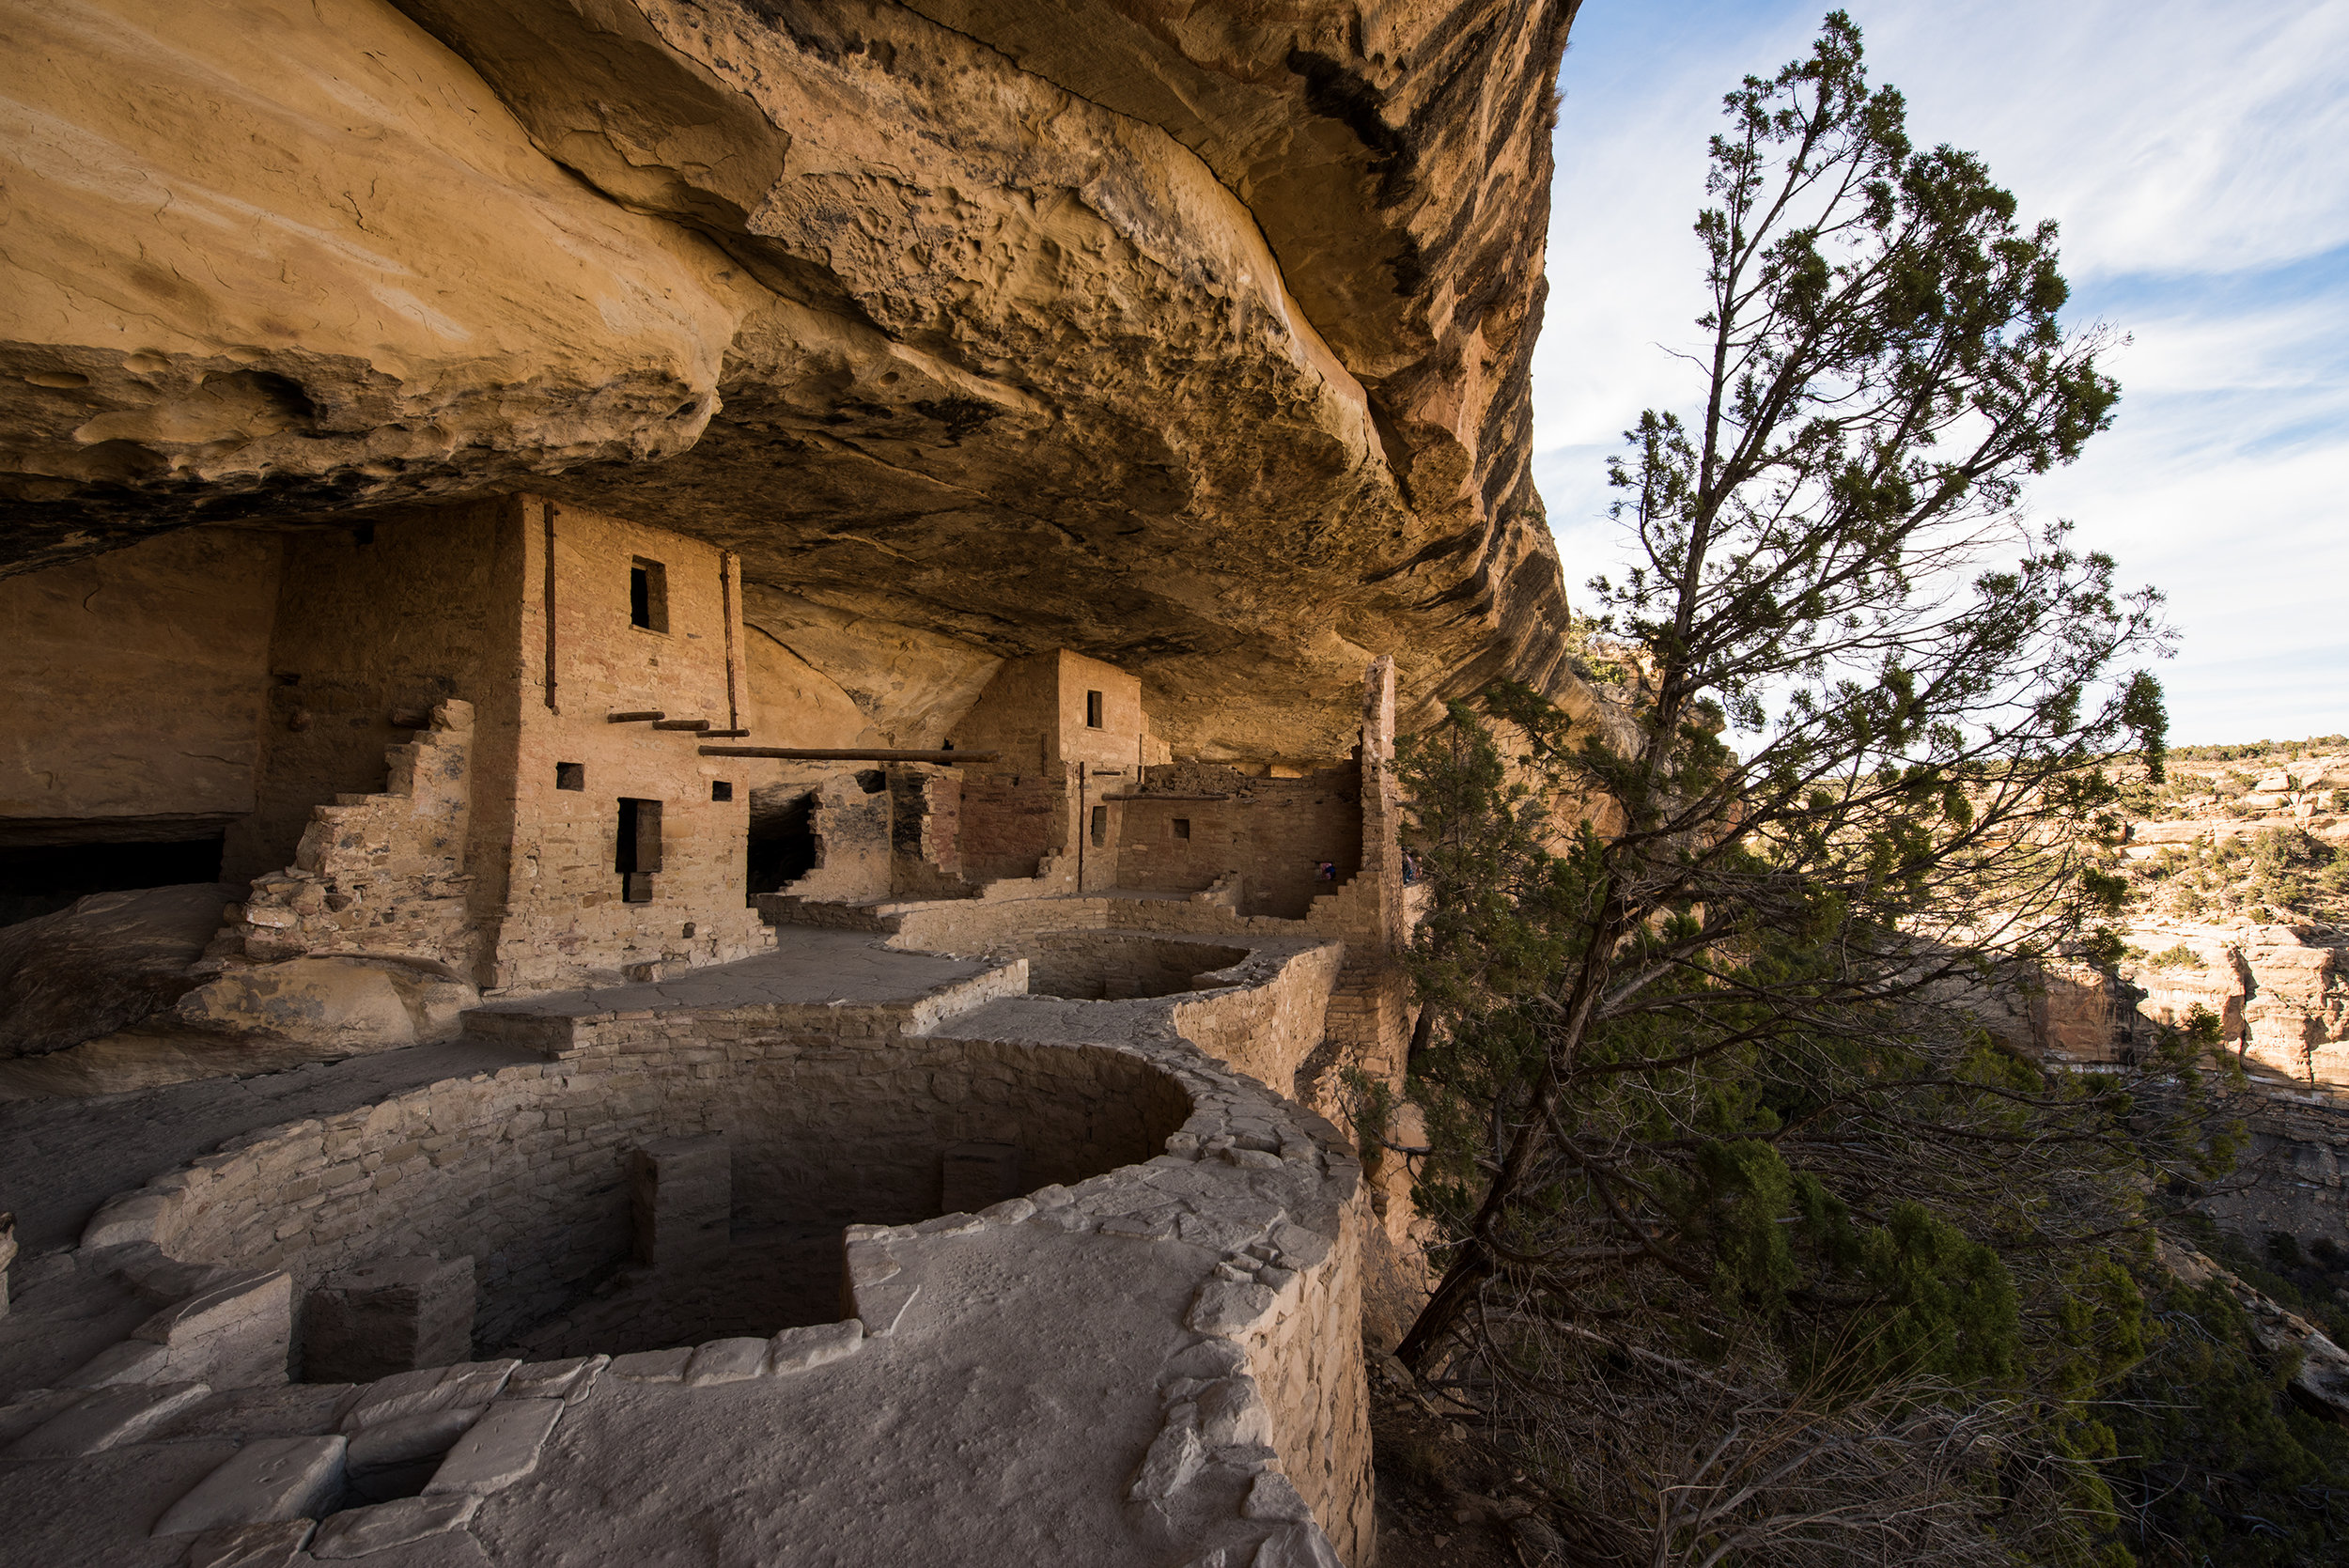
(2197,155)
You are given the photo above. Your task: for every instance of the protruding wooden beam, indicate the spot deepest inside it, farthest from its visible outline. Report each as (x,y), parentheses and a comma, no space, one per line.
(1159,795)
(633,718)
(811,753)
(681,723)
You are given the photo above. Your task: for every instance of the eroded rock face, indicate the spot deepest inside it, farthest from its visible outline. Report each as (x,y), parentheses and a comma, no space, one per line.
(2280,992)
(1193,340)
(109,961)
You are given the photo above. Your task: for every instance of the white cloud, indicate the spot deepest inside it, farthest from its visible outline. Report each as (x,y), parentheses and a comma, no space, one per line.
(2198,157)
(2179,137)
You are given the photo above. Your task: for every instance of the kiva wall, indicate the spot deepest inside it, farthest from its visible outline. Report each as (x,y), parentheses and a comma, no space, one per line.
(832,1117)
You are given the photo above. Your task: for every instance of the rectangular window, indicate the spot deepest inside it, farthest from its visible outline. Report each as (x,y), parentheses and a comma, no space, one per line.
(570,775)
(636,852)
(648,595)
(1182,827)
(1100,825)
(1093,710)
(721,790)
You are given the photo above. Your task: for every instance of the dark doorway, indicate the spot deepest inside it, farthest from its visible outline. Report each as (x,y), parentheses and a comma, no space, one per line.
(782,842)
(637,854)
(40,880)
(648,595)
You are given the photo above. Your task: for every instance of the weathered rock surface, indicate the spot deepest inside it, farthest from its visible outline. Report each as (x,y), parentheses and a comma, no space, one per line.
(2280,992)
(262,1018)
(105,963)
(2321,1383)
(1193,340)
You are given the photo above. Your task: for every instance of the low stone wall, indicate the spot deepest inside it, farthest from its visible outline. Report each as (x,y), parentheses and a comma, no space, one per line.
(1307,1359)
(1264,1024)
(1118,965)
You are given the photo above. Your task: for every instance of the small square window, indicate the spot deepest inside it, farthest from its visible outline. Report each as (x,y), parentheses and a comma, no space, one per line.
(570,775)
(1182,827)
(721,790)
(647,594)
(1093,710)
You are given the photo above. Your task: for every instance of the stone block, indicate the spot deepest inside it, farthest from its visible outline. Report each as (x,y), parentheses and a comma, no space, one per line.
(797,1349)
(357,1531)
(390,1315)
(236,1335)
(568,1380)
(269,1481)
(268,1546)
(131,1217)
(32,1407)
(681,1195)
(727,1361)
(1226,1307)
(468,1385)
(1271,1496)
(652,1366)
(499,1449)
(102,1419)
(125,1361)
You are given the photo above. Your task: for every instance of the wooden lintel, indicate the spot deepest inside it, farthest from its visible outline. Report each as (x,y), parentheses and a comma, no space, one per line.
(811,753)
(1159,795)
(632,718)
(724,734)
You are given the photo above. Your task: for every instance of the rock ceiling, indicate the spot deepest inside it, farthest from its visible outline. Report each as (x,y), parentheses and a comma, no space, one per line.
(1191,336)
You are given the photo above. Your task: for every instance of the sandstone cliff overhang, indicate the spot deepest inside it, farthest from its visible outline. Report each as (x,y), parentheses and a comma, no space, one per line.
(1191,337)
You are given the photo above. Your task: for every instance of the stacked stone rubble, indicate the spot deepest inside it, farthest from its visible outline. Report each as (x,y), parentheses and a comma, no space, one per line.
(381,875)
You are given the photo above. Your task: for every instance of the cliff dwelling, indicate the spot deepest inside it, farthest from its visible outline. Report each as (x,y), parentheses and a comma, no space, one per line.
(699,825)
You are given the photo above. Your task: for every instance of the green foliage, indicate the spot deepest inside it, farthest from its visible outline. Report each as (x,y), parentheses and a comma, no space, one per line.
(2216,1465)
(2289,866)
(1702,1054)
(2259,750)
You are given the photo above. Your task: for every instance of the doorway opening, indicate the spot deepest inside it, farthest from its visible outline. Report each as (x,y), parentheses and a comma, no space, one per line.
(782,842)
(637,854)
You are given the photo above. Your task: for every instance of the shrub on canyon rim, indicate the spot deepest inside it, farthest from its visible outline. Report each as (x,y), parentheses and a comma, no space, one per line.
(1751,1233)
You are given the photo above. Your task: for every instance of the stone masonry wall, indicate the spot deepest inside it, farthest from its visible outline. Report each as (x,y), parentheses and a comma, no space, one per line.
(563,918)
(1008,823)
(1308,1362)
(925,817)
(136,680)
(854,854)
(1104,966)
(1253,1216)
(381,875)
(1268,1028)
(1274,833)
(374,625)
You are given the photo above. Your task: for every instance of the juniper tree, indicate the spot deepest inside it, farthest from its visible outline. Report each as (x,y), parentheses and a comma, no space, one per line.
(1709,1083)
